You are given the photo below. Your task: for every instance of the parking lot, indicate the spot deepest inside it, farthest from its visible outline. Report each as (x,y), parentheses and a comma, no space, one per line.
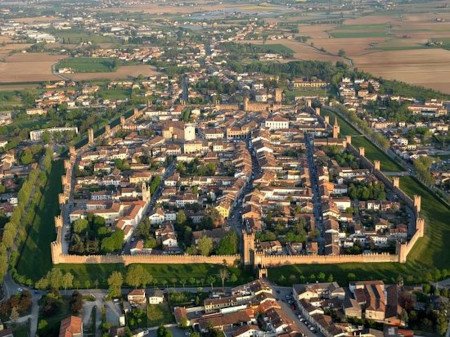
(284,294)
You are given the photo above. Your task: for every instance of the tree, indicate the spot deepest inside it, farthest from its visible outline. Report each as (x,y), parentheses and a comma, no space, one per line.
(138,276)
(181,217)
(113,242)
(223,276)
(228,245)
(211,279)
(143,229)
(163,332)
(55,278)
(80,225)
(233,278)
(205,245)
(67,281)
(115,282)
(154,184)
(42,283)
(76,302)
(26,157)
(341,53)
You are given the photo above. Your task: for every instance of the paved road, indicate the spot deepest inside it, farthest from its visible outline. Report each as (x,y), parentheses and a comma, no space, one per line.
(281,293)
(317,199)
(235,218)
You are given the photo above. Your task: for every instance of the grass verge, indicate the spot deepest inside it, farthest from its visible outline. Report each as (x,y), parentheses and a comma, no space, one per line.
(35,260)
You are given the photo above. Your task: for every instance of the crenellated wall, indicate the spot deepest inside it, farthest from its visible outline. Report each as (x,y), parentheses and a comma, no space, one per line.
(280,260)
(145,259)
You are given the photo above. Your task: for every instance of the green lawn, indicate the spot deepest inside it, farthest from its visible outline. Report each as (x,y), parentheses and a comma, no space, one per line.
(291,94)
(360,31)
(159,314)
(89,64)
(115,94)
(89,275)
(35,259)
(9,100)
(428,254)
(432,250)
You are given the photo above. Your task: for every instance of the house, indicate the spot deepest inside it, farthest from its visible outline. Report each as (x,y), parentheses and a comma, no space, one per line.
(137,297)
(71,326)
(156,297)
(158,217)
(277,123)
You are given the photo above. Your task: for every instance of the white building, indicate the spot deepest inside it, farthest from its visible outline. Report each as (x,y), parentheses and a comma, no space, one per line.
(277,123)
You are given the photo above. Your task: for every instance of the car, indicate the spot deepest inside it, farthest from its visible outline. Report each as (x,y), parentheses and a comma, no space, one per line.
(312,329)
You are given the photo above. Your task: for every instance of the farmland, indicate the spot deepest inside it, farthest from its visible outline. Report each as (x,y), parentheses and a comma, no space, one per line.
(88,64)
(361,31)
(122,72)
(426,67)
(31,67)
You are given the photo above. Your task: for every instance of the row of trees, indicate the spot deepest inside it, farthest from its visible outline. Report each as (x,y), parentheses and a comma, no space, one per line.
(139,277)
(15,231)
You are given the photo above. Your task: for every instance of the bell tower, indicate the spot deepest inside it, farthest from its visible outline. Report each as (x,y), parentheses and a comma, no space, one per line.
(336,129)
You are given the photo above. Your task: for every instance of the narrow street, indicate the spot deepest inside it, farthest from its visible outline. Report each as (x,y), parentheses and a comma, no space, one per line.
(235,218)
(317,199)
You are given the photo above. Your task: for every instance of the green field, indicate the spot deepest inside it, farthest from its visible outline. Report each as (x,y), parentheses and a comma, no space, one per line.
(275,48)
(428,254)
(88,275)
(9,100)
(115,93)
(291,94)
(35,259)
(360,31)
(89,64)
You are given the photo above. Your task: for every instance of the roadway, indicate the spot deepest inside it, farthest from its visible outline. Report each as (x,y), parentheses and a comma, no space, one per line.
(317,199)
(235,218)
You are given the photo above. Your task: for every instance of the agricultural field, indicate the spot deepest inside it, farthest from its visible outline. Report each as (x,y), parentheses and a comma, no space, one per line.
(361,31)
(393,47)
(88,64)
(30,67)
(122,72)
(425,67)
(302,51)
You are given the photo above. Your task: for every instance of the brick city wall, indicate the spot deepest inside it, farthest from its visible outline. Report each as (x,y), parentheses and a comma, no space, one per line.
(280,260)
